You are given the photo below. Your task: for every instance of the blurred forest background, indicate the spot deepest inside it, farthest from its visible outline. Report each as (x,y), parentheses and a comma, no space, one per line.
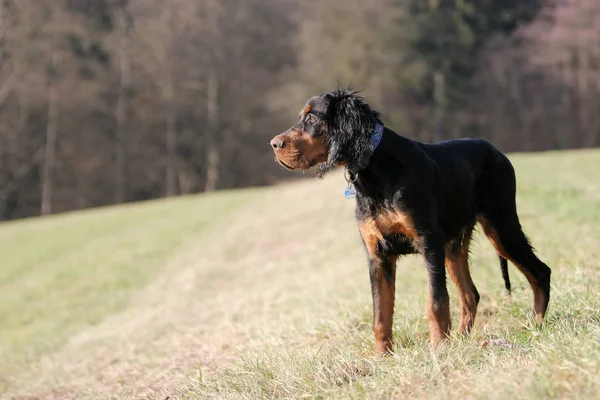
(111,101)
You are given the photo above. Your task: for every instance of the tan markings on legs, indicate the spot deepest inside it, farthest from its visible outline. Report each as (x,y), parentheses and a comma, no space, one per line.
(372,231)
(457,264)
(371,235)
(383,312)
(538,292)
(439,320)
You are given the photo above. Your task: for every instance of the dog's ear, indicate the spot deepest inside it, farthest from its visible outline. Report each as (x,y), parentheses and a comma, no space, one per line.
(350,124)
(333,150)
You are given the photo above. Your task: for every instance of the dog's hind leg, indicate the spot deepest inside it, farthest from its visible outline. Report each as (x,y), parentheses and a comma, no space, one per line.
(497,213)
(457,263)
(506,235)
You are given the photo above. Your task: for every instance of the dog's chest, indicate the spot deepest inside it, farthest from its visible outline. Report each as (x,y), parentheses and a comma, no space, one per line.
(394,222)
(388,226)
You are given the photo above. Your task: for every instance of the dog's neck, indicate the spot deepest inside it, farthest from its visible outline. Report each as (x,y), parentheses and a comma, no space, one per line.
(374,142)
(386,166)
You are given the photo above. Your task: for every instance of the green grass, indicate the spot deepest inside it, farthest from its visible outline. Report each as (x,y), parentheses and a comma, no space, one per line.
(203,298)
(64,273)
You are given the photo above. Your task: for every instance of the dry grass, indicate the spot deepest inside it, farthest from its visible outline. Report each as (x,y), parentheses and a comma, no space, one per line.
(273,302)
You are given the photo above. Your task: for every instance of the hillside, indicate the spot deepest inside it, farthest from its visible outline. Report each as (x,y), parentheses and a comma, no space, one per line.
(264,293)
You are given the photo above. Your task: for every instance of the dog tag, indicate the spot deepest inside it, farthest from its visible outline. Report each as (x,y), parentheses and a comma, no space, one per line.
(350,192)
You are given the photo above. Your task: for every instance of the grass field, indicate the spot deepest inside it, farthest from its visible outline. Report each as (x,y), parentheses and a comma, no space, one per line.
(264,293)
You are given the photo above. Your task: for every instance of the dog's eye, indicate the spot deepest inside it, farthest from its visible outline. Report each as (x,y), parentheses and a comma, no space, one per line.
(311,118)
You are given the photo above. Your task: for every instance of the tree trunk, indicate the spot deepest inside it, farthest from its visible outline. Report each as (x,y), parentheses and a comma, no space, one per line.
(212,155)
(20,173)
(171,118)
(6,86)
(439,100)
(563,135)
(587,124)
(50,149)
(24,109)
(575,107)
(171,139)
(123,106)
(523,115)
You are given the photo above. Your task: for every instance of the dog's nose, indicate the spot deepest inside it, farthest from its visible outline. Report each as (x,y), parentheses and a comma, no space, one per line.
(277,143)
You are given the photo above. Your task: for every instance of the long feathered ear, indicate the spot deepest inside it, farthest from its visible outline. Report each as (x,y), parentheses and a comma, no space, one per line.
(328,165)
(350,125)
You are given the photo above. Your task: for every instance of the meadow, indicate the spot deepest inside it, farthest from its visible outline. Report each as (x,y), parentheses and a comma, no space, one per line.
(264,293)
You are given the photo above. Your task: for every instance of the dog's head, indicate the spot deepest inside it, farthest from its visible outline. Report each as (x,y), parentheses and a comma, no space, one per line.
(333,129)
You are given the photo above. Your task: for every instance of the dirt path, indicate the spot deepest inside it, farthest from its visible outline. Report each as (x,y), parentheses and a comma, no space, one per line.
(211,301)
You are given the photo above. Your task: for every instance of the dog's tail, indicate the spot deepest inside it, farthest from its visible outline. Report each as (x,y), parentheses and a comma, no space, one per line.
(504,269)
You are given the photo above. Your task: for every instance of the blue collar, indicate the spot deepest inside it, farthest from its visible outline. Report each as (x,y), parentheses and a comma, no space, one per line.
(352,175)
(376,136)
(373,144)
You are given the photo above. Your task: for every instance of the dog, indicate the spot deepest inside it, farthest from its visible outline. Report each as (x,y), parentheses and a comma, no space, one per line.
(411,198)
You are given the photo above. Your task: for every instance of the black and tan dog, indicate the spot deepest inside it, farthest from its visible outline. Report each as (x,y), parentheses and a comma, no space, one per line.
(416,198)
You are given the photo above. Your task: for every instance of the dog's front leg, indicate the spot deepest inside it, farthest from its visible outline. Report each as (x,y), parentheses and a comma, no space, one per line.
(438,303)
(382,271)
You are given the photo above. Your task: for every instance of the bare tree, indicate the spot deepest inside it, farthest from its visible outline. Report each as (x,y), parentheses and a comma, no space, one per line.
(51,137)
(122,109)
(212,156)
(544,91)
(183,95)
(169,95)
